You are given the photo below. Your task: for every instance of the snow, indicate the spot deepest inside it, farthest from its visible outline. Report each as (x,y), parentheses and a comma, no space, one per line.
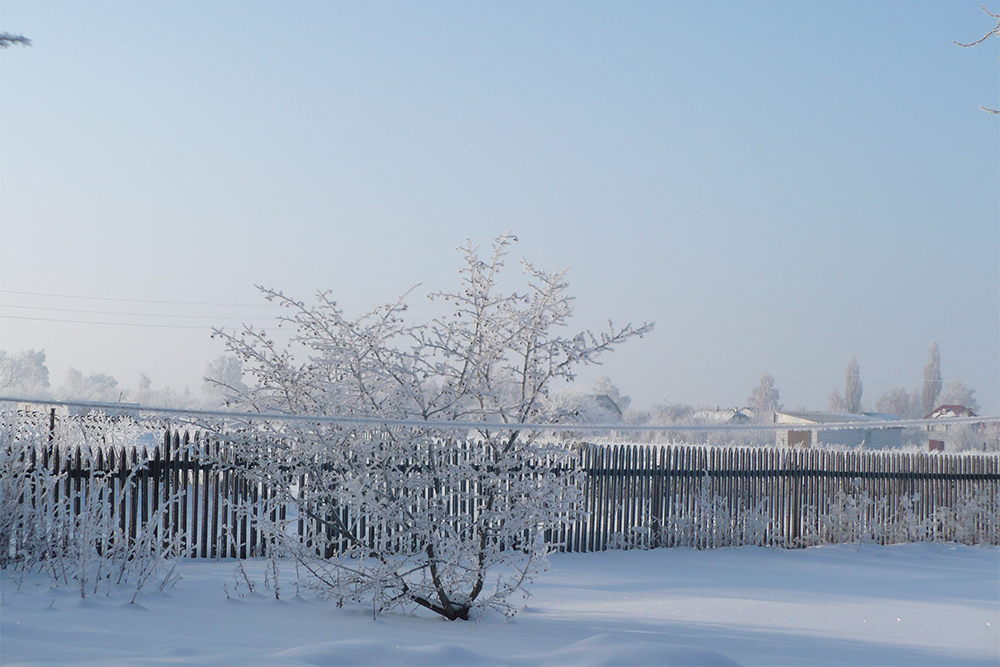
(913,604)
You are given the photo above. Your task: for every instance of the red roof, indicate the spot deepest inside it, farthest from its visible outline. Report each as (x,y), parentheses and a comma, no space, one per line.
(945,411)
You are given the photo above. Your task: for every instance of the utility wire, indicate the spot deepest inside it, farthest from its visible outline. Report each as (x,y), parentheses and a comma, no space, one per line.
(742,362)
(105,298)
(108,312)
(112,324)
(496,426)
(202,303)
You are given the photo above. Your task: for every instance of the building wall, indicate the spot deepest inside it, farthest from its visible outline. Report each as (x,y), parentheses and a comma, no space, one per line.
(887,438)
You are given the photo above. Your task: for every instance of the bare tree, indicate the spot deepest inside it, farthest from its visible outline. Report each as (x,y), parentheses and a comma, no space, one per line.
(994,31)
(417,513)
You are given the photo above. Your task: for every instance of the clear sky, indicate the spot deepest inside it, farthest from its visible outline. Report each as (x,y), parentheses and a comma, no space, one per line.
(778,186)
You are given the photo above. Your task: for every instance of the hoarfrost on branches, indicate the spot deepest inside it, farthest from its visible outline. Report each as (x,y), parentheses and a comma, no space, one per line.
(422,514)
(994,31)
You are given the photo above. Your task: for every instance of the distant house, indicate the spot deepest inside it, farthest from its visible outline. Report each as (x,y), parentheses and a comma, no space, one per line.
(803,430)
(936,432)
(724,416)
(947,411)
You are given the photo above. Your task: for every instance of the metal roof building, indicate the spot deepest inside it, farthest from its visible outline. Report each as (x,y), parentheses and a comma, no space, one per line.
(799,433)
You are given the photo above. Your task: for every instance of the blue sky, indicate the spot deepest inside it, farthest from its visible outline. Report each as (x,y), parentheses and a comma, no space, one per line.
(778,187)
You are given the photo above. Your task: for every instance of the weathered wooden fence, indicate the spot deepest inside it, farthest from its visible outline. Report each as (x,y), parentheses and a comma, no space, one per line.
(637,496)
(649,496)
(193,487)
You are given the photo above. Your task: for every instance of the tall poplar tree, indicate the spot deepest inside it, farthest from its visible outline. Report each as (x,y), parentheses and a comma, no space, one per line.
(932,379)
(853,388)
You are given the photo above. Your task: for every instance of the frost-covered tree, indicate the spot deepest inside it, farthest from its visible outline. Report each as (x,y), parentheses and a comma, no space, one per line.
(850,402)
(897,401)
(672,413)
(853,387)
(956,393)
(94,387)
(994,31)
(764,399)
(420,514)
(932,379)
(223,379)
(24,373)
(146,395)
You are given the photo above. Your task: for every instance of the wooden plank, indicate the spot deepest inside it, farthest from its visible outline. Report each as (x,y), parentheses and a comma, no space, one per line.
(192,465)
(604,507)
(184,475)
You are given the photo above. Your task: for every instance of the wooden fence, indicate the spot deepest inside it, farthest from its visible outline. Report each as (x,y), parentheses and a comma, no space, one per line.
(638,496)
(702,496)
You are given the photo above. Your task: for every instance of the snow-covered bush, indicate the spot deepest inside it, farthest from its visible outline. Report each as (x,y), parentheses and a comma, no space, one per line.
(62,511)
(715,521)
(420,513)
(858,518)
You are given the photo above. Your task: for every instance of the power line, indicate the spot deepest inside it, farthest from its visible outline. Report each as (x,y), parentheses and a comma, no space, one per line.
(497,426)
(200,303)
(105,298)
(743,362)
(136,324)
(113,324)
(108,312)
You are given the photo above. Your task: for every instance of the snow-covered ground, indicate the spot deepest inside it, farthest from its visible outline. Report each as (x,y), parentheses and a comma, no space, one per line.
(915,604)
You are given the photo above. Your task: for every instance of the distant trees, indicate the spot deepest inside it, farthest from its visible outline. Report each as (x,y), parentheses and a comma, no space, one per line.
(956,393)
(94,387)
(24,373)
(897,401)
(850,402)
(932,379)
(922,401)
(161,398)
(764,399)
(223,379)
